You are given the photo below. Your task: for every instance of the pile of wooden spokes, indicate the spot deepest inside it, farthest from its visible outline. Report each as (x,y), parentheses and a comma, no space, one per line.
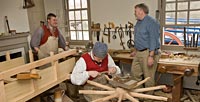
(123,94)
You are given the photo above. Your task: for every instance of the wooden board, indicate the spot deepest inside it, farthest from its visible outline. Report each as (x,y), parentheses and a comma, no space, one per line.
(6,65)
(23,90)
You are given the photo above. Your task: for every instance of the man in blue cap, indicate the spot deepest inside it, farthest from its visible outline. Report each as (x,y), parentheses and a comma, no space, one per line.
(89,67)
(92,63)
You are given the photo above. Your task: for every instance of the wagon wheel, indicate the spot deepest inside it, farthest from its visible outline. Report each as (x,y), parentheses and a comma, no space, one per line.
(173,38)
(122,93)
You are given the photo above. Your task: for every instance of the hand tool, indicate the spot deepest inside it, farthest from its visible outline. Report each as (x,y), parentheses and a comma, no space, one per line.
(98,31)
(110,25)
(197,39)
(130,42)
(184,34)
(193,40)
(126,27)
(6,18)
(120,31)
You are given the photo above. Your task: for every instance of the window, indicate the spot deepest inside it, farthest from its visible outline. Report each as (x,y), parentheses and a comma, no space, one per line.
(78,19)
(177,15)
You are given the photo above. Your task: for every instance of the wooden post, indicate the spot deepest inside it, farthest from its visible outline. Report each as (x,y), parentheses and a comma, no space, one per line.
(55,65)
(177,88)
(7,56)
(2,92)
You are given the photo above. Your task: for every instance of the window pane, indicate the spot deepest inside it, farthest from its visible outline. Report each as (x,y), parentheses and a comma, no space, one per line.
(78,15)
(84,14)
(173,35)
(183,6)
(84,3)
(194,17)
(170,6)
(79,35)
(194,5)
(85,35)
(181,17)
(71,4)
(78,25)
(170,18)
(71,15)
(85,25)
(72,25)
(78,4)
(73,35)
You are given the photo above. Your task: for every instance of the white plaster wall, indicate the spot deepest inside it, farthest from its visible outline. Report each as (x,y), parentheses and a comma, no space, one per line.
(119,12)
(17,16)
(104,11)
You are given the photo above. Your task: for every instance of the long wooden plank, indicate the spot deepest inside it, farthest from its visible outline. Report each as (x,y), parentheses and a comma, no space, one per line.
(2,93)
(6,65)
(35,64)
(65,67)
(48,80)
(18,89)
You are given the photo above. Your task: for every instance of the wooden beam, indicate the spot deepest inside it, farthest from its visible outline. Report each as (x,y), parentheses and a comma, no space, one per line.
(100,85)
(2,93)
(35,64)
(96,92)
(140,95)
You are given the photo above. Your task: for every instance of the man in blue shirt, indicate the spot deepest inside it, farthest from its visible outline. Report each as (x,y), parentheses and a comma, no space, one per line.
(147,44)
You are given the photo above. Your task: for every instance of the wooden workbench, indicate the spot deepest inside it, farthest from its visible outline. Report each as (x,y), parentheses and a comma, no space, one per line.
(177,67)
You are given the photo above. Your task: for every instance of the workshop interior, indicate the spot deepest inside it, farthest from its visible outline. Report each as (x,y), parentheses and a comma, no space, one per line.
(100,51)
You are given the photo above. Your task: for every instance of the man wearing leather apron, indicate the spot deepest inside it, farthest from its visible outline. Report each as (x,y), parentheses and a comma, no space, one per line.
(48,38)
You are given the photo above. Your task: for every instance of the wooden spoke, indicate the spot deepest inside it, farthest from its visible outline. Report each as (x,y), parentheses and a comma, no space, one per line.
(96,92)
(105,98)
(100,85)
(142,82)
(139,95)
(131,98)
(149,88)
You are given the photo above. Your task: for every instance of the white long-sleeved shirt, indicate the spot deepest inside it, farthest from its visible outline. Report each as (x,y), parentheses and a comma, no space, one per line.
(79,74)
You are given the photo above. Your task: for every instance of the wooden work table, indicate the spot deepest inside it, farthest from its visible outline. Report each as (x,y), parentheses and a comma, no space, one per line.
(177,67)
(124,57)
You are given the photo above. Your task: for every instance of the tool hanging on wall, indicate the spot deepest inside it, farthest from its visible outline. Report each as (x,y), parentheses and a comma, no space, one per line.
(28,4)
(126,27)
(190,40)
(120,32)
(96,30)
(114,36)
(110,25)
(130,42)
(6,18)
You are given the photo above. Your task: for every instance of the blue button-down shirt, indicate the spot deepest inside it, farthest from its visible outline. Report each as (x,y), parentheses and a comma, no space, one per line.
(147,34)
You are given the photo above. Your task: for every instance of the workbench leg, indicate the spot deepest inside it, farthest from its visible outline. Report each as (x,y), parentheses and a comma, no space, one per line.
(177,88)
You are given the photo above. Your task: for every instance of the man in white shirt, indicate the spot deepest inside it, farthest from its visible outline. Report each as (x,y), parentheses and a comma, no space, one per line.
(91,64)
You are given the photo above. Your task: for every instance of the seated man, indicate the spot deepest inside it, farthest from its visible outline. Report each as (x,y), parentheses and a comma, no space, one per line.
(91,64)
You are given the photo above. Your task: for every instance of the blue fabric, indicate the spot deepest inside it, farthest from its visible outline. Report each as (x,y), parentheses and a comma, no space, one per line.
(147,34)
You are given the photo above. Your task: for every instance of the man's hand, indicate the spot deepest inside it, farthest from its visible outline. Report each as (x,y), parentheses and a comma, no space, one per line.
(36,49)
(150,61)
(133,54)
(112,70)
(93,73)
